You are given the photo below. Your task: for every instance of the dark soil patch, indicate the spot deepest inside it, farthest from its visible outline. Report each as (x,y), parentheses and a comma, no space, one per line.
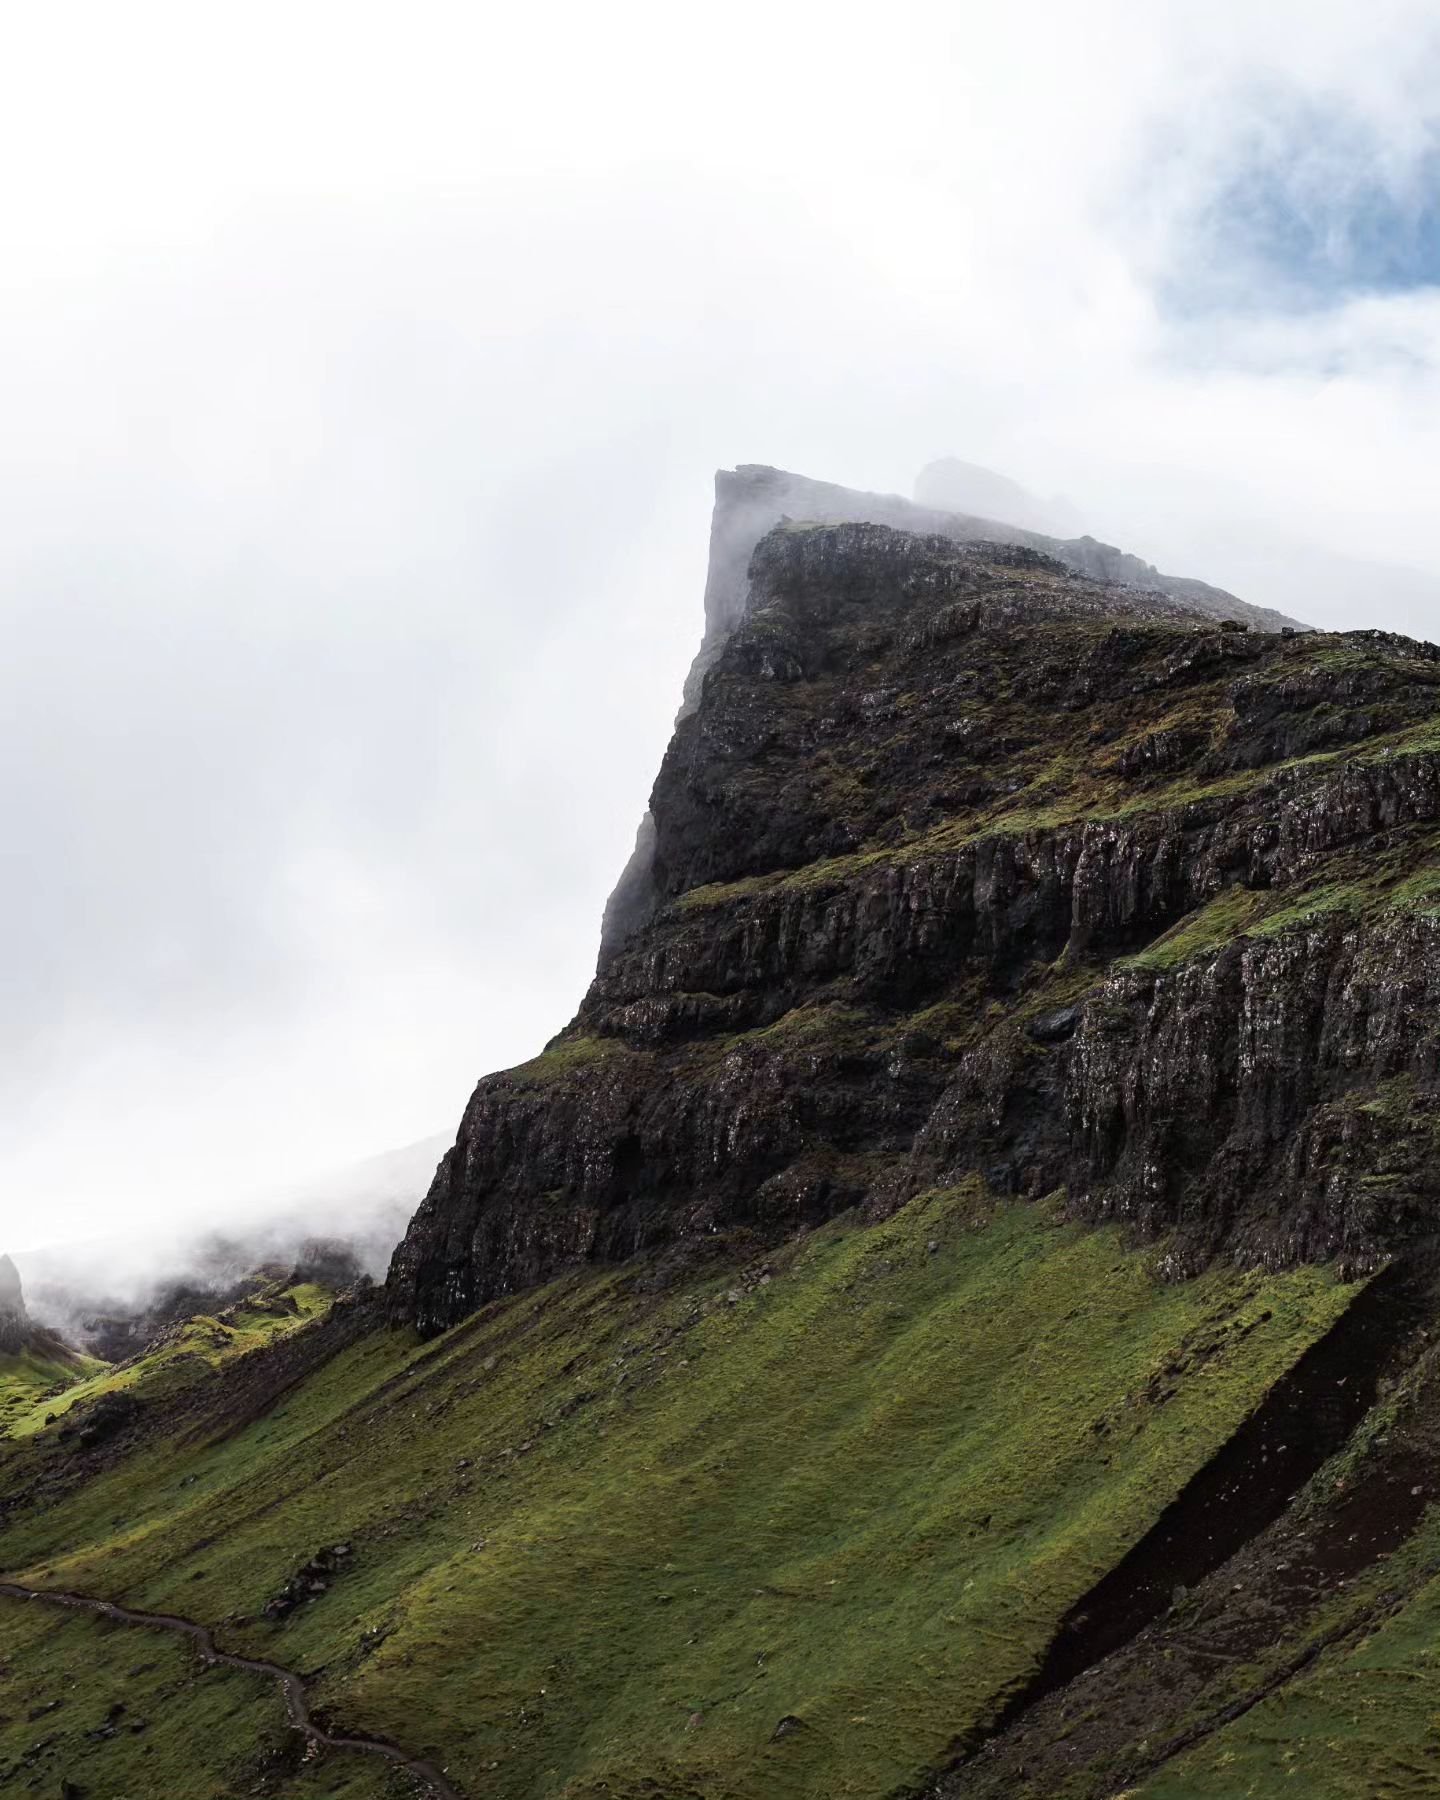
(1219,1605)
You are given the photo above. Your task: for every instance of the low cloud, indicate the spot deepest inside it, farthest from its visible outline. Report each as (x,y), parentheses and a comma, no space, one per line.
(354,479)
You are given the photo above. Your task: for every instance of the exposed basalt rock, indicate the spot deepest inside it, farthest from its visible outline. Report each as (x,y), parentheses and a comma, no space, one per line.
(312,1579)
(752,499)
(626,1159)
(895,926)
(1281,1096)
(1054,1027)
(961,862)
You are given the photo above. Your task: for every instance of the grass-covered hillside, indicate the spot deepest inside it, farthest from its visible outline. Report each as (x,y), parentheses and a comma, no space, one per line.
(794,1527)
(35,1379)
(37,1386)
(124,1715)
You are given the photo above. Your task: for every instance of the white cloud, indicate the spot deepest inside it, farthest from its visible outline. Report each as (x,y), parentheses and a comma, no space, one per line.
(365,370)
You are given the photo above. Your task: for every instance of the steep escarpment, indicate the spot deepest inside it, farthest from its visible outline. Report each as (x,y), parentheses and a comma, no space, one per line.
(752,499)
(14,1320)
(963,863)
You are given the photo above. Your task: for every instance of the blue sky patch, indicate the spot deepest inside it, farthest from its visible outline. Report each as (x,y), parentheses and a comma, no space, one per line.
(1310,212)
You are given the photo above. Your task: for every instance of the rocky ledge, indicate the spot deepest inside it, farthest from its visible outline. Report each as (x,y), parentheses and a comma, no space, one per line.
(963,860)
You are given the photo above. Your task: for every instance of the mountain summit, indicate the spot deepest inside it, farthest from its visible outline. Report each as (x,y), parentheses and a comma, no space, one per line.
(967,857)
(753,499)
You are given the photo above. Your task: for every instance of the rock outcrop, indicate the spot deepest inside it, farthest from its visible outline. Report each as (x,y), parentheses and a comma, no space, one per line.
(14,1322)
(963,860)
(753,498)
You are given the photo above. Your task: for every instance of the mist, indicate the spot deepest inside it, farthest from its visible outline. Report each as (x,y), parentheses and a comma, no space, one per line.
(345,1225)
(365,376)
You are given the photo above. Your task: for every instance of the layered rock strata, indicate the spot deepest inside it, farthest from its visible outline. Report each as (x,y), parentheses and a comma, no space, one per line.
(960,860)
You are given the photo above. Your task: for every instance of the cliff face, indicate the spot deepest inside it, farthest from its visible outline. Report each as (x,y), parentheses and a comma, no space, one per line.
(14,1323)
(752,499)
(961,861)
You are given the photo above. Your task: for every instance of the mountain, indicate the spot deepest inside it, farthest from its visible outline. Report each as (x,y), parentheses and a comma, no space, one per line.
(916,851)
(36,1363)
(954,1314)
(14,1320)
(752,499)
(952,485)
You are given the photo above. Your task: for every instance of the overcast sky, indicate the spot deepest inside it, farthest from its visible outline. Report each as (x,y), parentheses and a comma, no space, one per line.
(364,370)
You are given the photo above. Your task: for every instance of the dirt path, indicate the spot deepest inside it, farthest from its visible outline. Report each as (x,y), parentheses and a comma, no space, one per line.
(296,1707)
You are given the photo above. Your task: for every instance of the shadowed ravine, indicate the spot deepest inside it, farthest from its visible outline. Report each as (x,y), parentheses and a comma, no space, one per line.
(291,1685)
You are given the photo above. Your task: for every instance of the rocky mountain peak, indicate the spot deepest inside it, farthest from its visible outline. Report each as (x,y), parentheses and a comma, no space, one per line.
(753,499)
(962,861)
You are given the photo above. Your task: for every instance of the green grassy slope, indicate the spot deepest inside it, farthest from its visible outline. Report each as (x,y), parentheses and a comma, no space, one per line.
(188,1353)
(606,1535)
(126,1715)
(33,1380)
